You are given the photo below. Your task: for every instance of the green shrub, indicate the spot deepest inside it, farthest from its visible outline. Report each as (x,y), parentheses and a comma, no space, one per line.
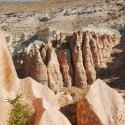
(19,114)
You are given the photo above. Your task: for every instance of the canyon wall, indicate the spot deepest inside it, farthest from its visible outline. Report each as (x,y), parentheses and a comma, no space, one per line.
(66,60)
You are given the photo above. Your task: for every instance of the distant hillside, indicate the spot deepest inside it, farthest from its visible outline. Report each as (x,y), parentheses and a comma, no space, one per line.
(10,7)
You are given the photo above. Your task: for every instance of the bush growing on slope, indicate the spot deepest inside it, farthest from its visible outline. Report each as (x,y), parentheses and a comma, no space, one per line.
(19,114)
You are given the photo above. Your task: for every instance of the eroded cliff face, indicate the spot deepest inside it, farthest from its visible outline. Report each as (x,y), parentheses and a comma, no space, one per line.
(66,60)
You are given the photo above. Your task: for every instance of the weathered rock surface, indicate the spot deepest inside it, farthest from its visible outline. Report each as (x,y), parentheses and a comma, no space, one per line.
(67,59)
(88,60)
(101,105)
(64,57)
(54,74)
(11,85)
(38,68)
(47,118)
(80,73)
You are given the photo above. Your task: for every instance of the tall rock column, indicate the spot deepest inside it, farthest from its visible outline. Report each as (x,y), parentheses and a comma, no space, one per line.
(28,63)
(55,79)
(43,55)
(94,50)
(60,38)
(88,60)
(100,50)
(64,57)
(105,48)
(38,68)
(80,73)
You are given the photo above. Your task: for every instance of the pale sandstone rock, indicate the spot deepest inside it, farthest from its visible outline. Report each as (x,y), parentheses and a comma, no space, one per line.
(80,73)
(60,39)
(88,60)
(52,116)
(11,85)
(105,48)
(48,43)
(55,79)
(101,105)
(100,49)
(94,50)
(110,42)
(79,39)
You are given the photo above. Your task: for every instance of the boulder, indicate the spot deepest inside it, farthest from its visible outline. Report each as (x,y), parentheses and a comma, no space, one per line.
(101,105)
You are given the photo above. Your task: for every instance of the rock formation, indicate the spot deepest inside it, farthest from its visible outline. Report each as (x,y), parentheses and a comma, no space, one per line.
(38,68)
(101,105)
(66,60)
(55,80)
(94,49)
(11,85)
(88,60)
(64,57)
(80,73)
(60,38)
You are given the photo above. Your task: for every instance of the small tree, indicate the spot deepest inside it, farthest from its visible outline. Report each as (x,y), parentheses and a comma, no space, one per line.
(19,114)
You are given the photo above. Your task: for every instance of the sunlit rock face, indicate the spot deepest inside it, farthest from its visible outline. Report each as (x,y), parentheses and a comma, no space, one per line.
(54,73)
(66,60)
(80,73)
(88,60)
(11,85)
(101,105)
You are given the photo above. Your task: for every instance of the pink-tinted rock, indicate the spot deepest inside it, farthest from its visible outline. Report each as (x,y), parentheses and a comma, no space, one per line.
(38,68)
(64,57)
(101,105)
